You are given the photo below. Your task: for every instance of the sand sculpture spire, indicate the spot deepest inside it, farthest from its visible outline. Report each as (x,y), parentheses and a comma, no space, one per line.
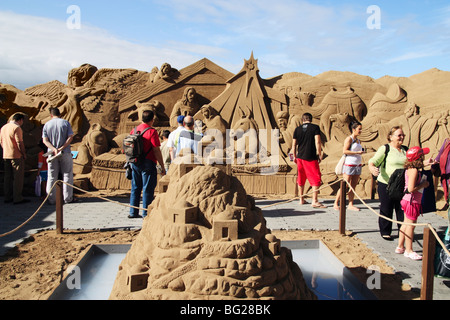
(212,243)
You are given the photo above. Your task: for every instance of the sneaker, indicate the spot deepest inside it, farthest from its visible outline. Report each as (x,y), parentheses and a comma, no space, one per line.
(413,256)
(400,250)
(134,217)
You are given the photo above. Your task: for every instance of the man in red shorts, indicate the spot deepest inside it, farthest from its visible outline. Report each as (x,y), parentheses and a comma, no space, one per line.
(307,148)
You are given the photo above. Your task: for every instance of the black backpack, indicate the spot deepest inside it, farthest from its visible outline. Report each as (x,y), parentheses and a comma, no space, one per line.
(133,146)
(396,186)
(386,151)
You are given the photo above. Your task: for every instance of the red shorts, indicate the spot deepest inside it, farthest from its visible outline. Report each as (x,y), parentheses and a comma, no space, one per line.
(308,170)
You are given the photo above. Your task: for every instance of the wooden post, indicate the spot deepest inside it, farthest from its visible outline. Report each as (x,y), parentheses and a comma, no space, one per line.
(343,206)
(429,248)
(59,207)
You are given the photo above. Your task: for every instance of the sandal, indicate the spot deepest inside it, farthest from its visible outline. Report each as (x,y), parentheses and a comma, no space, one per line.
(318,205)
(400,250)
(413,256)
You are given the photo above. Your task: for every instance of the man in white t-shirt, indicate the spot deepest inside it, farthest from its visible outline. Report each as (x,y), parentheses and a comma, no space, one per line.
(187,139)
(171,141)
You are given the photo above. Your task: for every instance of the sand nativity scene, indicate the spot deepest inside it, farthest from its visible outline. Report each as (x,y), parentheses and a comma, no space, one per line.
(203,236)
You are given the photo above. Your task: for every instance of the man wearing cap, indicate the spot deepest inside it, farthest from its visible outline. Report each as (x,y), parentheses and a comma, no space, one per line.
(171,141)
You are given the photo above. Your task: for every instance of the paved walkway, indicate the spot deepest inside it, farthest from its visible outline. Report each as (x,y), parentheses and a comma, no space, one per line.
(94,213)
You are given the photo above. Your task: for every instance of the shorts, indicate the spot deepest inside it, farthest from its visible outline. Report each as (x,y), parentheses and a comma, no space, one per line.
(308,170)
(412,210)
(352,170)
(44,175)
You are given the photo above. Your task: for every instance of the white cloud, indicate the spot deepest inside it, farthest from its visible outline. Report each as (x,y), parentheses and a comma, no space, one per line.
(36,50)
(412,56)
(285,36)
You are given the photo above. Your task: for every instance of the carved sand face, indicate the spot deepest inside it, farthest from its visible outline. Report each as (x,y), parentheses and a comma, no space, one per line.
(165,69)
(282,123)
(190,95)
(206,113)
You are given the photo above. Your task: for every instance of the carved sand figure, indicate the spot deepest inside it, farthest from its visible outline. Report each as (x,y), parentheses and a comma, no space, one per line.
(160,119)
(214,130)
(338,102)
(166,73)
(94,143)
(285,137)
(207,240)
(418,128)
(245,136)
(70,103)
(211,119)
(382,109)
(67,98)
(187,105)
(152,75)
(299,103)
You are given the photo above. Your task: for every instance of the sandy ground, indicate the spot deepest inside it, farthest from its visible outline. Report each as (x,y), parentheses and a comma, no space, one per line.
(34,268)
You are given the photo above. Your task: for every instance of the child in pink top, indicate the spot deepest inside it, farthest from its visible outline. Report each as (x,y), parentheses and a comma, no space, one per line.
(411,202)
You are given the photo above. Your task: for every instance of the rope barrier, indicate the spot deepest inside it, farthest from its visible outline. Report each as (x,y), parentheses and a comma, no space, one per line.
(43,202)
(301,196)
(402,222)
(274,204)
(30,218)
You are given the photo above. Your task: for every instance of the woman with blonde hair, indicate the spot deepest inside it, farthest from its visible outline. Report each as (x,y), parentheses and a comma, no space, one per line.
(386,160)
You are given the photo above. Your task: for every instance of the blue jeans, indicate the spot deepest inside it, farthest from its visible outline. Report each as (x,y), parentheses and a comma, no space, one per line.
(144,180)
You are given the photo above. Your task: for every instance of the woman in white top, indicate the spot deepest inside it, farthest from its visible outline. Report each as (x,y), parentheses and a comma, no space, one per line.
(353,163)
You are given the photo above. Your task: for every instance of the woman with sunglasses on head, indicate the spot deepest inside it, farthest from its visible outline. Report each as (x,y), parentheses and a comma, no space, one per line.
(386,160)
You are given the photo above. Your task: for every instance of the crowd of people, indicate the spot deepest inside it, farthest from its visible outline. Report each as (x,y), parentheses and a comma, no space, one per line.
(307,152)
(159,156)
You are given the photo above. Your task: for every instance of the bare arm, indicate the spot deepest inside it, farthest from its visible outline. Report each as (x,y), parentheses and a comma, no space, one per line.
(56,150)
(318,146)
(159,158)
(294,147)
(412,178)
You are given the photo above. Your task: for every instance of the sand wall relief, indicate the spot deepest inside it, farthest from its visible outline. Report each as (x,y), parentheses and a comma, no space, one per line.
(246,121)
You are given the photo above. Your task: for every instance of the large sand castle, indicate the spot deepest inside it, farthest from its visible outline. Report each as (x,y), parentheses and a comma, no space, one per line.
(205,239)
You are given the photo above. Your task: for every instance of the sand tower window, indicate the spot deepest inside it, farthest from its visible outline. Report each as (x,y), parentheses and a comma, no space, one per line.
(224,232)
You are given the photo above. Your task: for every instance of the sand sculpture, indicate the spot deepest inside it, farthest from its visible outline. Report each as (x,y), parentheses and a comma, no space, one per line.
(112,99)
(207,240)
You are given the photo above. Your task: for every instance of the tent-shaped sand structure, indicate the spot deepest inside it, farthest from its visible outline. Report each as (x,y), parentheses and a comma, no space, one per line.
(207,240)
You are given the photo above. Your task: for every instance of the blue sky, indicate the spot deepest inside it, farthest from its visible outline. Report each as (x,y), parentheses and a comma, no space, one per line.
(38,41)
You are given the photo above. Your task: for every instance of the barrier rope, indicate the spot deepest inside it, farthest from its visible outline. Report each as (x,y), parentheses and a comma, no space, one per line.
(30,218)
(402,222)
(43,202)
